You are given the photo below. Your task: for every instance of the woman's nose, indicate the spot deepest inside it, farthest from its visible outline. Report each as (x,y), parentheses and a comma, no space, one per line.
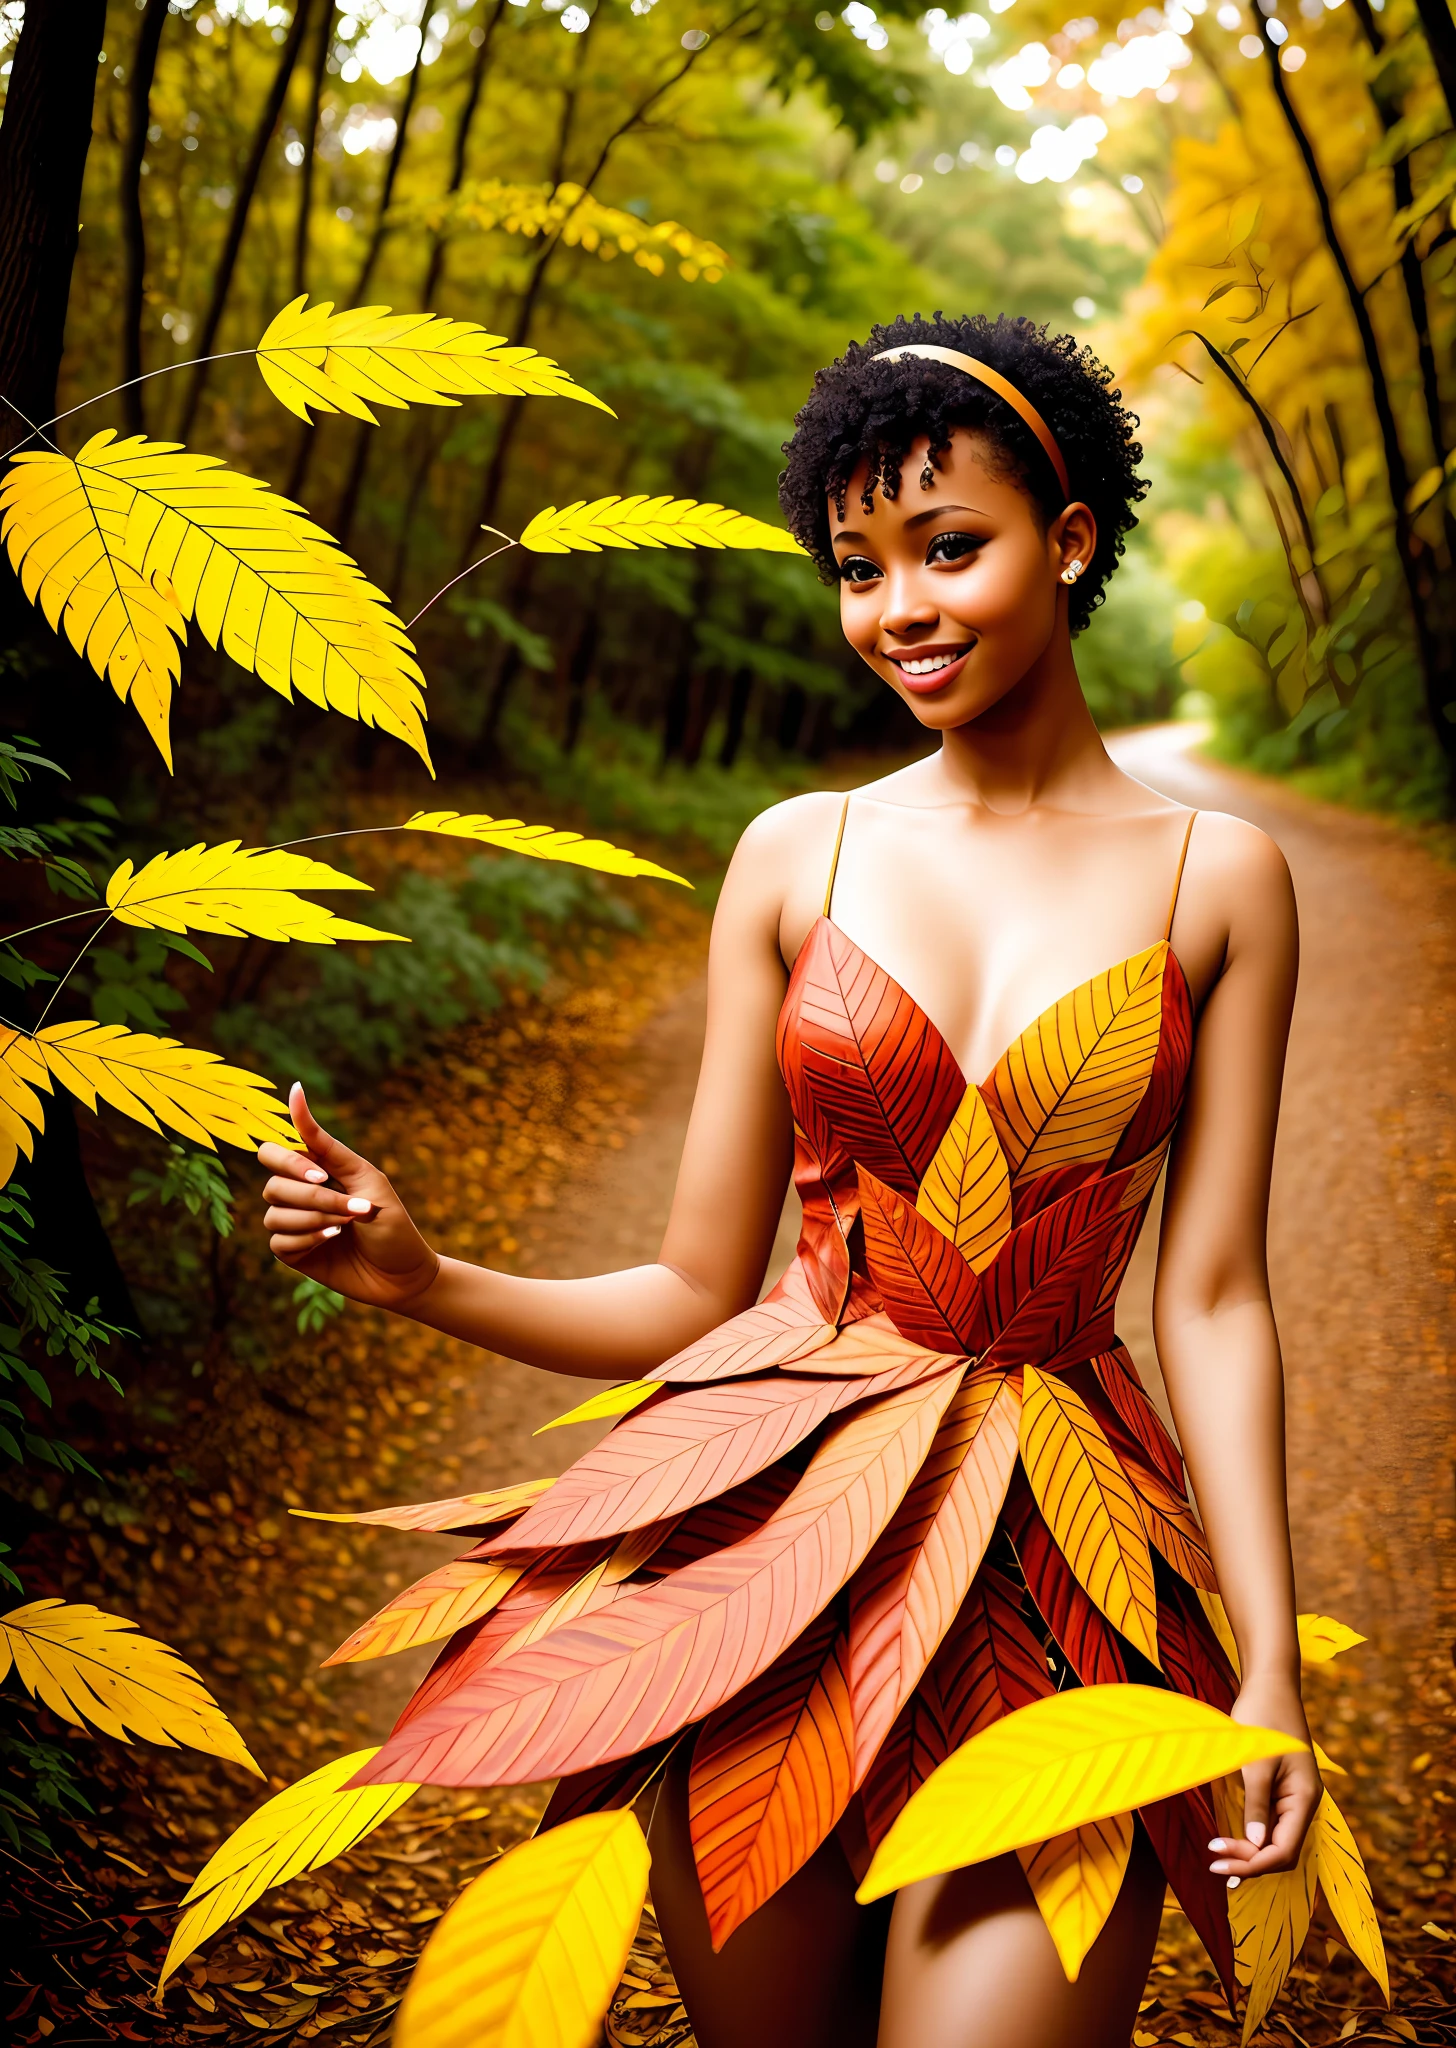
(907,603)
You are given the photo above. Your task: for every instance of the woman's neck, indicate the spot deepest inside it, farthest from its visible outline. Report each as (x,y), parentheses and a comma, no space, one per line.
(1036,745)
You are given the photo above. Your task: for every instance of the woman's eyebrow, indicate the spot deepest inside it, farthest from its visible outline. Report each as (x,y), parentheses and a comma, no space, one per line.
(939,512)
(851,533)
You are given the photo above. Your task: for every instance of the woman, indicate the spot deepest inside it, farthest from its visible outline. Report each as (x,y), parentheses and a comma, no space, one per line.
(831,1548)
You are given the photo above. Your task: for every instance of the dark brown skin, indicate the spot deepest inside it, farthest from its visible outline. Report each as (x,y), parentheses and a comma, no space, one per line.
(989,879)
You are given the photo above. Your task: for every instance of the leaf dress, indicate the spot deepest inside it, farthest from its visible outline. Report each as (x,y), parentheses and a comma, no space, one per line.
(918,1486)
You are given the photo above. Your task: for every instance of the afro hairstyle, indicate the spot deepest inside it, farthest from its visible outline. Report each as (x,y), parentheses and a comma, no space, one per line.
(863,409)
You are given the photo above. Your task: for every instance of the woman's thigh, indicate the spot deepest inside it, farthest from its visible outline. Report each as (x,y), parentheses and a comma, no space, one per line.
(971,1965)
(801,1972)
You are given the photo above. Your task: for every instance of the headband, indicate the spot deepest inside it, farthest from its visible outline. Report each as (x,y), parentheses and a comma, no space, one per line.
(1003,388)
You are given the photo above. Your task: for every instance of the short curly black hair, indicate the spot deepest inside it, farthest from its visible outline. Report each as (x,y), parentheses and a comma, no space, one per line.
(861,408)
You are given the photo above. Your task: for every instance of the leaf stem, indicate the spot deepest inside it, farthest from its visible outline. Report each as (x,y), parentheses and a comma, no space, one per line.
(39,432)
(40,1025)
(165,371)
(509,543)
(91,910)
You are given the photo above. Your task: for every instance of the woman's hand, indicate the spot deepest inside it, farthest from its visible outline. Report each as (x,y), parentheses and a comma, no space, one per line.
(356,1237)
(1280,1794)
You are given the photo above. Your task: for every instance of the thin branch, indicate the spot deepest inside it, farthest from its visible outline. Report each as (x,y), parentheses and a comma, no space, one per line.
(192,363)
(509,543)
(40,1022)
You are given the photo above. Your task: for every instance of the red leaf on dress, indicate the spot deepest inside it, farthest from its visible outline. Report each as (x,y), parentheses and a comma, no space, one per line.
(1086,1637)
(670,1652)
(1162,1099)
(1041,1289)
(1194,1662)
(869,1076)
(930,1291)
(606,1789)
(771,1775)
(1180,1830)
(1134,1408)
(823,1253)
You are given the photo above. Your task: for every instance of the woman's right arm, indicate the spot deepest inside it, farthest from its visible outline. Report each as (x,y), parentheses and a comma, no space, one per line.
(335,1218)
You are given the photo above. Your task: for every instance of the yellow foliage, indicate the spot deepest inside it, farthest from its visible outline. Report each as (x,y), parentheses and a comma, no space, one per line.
(260,579)
(531,1951)
(541,842)
(1075,1879)
(308,1825)
(616,1401)
(1341,1870)
(578,220)
(1060,1764)
(237,891)
(1270,1918)
(1320,1638)
(346,362)
(643,522)
(88,1666)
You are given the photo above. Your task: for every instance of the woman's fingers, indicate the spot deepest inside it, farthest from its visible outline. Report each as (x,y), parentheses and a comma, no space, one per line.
(304,1195)
(292,1165)
(291,1246)
(323,1147)
(304,1219)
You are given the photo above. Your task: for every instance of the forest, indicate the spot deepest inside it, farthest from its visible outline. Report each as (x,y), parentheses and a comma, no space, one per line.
(663,216)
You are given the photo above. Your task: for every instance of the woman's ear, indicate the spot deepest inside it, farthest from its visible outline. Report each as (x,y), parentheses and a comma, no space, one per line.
(1074,541)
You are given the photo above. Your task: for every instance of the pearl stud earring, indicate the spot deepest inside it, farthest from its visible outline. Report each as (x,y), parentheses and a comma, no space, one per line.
(1072,571)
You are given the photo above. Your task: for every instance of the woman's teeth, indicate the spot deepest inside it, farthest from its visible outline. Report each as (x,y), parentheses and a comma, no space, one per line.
(929,666)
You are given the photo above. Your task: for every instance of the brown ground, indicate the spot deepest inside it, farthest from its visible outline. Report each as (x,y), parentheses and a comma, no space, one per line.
(1363,1267)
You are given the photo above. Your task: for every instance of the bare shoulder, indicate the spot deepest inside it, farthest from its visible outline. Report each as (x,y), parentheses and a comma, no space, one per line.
(776,878)
(1238,895)
(800,826)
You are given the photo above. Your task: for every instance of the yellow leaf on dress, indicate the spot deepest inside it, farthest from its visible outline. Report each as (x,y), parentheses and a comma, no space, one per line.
(300,1829)
(643,522)
(432,1608)
(461,1511)
(158,1081)
(616,1401)
(1089,1506)
(1218,1621)
(237,891)
(541,842)
(1270,1919)
(91,1667)
(532,1950)
(1342,1876)
(1059,1764)
(597,1587)
(1075,1879)
(966,1192)
(1320,1638)
(348,362)
(22,1072)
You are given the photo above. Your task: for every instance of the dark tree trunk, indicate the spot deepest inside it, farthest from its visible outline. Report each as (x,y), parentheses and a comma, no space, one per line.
(740,697)
(1440,32)
(578,676)
(310,150)
(133,226)
(43,143)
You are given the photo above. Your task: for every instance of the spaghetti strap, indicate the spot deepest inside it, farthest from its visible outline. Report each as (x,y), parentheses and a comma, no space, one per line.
(1177,879)
(834,864)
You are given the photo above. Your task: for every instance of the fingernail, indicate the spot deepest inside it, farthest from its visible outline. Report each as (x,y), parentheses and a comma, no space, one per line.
(315,1173)
(332,1230)
(358,1206)
(1218,1869)
(1234,1883)
(1256,1831)
(1218,1844)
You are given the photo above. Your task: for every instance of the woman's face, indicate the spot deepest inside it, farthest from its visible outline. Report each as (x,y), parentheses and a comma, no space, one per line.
(953,594)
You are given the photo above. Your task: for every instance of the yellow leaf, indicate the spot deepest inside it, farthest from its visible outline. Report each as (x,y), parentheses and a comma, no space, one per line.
(434,1607)
(1270,1919)
(1320,1638)
(65,532)
(616,1401)
(236,890)
(261,580)
(1341,1871)
(643,522)
(1218,1621)
(92,1667)
(597,1587)
(158,1081)
(463,1511)
(297,1830)
(541,842)
(1089,1506)
(22,1071)
(346,362)
(1328,1765)
(531,1951)
(966,1192)
(1075,1879)
(1059,1764)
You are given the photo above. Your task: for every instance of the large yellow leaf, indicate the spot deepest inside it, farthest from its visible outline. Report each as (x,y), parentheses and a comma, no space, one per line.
(1075,1879)
(1270,1919)
(308,1825)
(65,532)
(346,362)
(1059,1764)
(643,522)
(1341,1871)
(432,1608)
(541,842)
(966,1192)
(237,891)
(1062,1093)
(92,1667)
(616,1401)
(531,1951)
(261,580)
(22,1072)
(1321,1638)
(1089,1505)
(159,1081)
(461,1511)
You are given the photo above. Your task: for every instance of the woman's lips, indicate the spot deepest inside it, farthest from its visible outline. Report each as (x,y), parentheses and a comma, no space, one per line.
(926,685)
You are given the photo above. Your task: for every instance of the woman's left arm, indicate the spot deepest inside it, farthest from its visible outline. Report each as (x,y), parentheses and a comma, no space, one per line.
(1214,1323)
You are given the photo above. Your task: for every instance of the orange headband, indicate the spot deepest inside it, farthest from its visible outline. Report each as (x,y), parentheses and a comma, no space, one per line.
(1003,388)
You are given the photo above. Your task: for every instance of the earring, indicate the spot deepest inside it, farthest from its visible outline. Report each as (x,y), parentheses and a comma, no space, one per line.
(1072,571)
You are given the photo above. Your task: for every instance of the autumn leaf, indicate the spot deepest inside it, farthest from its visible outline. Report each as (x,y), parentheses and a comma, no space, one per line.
(1270,1919)
(1075,1879)
(644,522)
(346,362)
(966,1192)
(22,1072)
(532,1950)
(159,1081)
(540,842)
(616,1401)
(446,1599)
(1059,1764)
(300,1829)
(91,1667)
(464,1511)
(237,891)
(1321,1638)
(1341,1871)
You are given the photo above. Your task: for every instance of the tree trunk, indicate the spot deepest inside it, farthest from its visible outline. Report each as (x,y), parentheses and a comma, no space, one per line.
(242,205)
(133,226)
(310,150)
(43,143)
(1440,33)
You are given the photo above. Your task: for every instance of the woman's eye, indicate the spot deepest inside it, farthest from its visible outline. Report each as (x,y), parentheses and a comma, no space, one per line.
(953,547)
(859,569)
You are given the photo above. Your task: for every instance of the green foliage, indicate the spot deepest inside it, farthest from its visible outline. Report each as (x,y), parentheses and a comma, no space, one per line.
(1125,658)
(316,1305)
(196,1179)
(41,1327)
(44,1768)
